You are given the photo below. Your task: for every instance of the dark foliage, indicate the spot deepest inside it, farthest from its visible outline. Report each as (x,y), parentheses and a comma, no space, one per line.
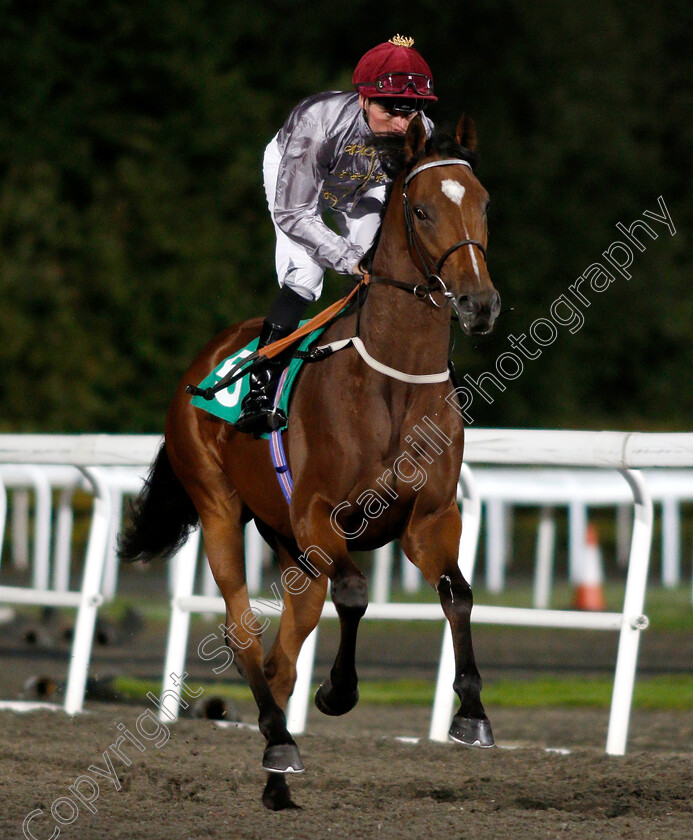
(133,223)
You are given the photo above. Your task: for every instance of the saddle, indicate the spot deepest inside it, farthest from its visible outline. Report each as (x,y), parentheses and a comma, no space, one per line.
(216,396)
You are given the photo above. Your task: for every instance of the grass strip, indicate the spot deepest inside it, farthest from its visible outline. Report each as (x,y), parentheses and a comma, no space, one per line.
(665,692)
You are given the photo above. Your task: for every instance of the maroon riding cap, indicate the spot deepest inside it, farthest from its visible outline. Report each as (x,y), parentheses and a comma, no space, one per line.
(394,69)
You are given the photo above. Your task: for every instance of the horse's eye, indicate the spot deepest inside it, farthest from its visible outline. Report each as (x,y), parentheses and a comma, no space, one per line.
(420,213)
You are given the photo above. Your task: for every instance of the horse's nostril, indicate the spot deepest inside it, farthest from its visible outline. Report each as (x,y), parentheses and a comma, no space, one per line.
(468,304)
(479,312)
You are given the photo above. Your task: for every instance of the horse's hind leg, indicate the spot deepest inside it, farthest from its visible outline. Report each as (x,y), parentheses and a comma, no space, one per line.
(431,543)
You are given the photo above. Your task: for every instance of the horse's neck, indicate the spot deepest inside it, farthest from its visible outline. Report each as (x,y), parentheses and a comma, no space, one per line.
(404,332)
(398,328)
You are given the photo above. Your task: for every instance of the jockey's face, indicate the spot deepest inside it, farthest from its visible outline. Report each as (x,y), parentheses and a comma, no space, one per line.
(381,121)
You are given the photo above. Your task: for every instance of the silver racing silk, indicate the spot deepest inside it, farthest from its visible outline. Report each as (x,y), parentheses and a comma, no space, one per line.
(327,164)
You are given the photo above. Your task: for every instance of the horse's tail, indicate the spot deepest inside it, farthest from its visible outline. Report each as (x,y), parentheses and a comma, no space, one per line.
(161,517)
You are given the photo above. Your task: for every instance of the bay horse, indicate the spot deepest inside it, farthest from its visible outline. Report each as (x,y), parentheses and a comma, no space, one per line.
(352,452)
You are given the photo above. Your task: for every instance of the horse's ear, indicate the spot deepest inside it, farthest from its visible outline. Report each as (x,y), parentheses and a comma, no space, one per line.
(465,133)
(415,140)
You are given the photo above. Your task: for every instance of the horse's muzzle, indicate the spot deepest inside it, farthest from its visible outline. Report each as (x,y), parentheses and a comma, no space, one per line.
(477,313)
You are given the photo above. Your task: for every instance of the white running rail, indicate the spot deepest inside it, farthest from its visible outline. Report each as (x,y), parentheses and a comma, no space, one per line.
(622,451)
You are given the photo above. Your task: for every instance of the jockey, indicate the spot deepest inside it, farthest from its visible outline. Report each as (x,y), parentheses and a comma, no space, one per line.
(322,162)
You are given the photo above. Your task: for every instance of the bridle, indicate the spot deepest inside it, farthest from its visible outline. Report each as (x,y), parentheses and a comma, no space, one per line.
(431,268)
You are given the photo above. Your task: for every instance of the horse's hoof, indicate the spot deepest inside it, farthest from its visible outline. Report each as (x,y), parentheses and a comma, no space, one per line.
(282,758)
(333,704)
(472,732)
(276,795)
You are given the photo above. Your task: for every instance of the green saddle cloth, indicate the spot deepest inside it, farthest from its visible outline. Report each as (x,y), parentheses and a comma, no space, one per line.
(227,402)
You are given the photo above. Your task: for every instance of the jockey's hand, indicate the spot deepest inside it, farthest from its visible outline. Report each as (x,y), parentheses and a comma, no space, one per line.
(359,269)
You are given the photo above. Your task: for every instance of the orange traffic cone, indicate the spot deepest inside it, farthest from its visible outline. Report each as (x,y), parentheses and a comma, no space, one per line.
(589,588)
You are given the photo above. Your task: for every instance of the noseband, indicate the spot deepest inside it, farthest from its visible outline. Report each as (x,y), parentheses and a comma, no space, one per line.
(432,268)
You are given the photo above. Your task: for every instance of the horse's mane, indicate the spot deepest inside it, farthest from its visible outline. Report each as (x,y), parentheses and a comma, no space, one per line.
(392,155)
(393,160)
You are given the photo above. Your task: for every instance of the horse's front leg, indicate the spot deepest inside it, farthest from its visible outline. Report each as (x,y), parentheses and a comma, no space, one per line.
(303,598)
(431,542)
(223,539)
(326,551)
(339,693)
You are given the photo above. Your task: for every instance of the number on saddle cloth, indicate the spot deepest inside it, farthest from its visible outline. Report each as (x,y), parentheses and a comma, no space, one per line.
(226,403)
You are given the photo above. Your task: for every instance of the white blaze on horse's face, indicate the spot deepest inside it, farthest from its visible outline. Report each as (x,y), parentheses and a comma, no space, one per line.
(472,251)
(453,190)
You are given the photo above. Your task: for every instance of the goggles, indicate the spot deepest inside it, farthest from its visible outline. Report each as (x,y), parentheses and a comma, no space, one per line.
(395,83)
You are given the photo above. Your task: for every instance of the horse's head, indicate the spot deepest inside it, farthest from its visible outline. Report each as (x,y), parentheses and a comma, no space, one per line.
(444,211)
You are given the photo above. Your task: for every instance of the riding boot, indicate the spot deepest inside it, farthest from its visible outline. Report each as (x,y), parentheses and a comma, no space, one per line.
(258,415)
(257,412)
